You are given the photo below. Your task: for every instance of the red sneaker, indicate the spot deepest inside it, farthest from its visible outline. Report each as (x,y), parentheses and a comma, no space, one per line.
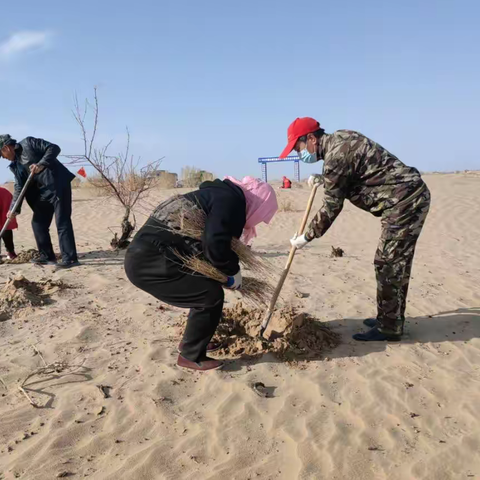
(203,366)
(11,255)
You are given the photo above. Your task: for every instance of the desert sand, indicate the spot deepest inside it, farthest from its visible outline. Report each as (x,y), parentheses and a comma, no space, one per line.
(356,411)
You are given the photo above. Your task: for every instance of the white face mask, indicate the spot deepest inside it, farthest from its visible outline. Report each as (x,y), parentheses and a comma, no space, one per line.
(307,157)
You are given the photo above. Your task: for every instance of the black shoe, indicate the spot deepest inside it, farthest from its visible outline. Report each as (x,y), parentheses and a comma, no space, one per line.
(375,335)
(43,261)
(370,322)
(63,265)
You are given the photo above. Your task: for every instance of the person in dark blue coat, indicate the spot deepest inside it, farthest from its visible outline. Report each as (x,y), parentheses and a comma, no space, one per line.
(49,194)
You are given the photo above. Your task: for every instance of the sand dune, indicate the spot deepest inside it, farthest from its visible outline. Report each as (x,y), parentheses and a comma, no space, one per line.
(384,411)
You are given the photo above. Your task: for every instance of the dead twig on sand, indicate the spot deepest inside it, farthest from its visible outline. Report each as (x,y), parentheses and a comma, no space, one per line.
(47,369)
(40,355)
(105,390)
(32,403)
(337,252)
(3,383)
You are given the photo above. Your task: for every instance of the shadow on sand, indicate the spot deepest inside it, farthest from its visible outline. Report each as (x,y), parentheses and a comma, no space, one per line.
(102,257)
(42,386)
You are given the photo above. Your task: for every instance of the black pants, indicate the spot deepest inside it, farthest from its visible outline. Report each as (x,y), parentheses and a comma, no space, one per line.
(153,269)
(8,241)
(42,219)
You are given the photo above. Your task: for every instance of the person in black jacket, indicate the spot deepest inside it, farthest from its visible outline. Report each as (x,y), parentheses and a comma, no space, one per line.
(232,208)
(49,194)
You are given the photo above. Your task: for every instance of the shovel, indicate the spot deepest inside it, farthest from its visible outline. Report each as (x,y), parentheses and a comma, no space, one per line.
(283,277)
(17,203)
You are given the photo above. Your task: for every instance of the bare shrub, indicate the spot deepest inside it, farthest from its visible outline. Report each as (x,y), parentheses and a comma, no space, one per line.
(119,176)
(97,183)
(286,205)
(192,177)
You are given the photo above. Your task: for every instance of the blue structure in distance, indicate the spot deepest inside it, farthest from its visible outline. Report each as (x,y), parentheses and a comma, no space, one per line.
(264,161)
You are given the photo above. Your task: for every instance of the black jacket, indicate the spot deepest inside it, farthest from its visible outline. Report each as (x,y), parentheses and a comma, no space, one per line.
(49,184)
(225,206)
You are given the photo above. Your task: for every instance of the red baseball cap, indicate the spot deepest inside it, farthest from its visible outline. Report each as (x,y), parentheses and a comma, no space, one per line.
(299,128)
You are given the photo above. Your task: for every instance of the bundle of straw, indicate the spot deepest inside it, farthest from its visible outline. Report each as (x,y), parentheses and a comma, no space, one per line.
(256,292)
(189,220)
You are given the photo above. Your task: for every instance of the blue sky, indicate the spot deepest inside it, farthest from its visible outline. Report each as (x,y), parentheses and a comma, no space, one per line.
(216,83)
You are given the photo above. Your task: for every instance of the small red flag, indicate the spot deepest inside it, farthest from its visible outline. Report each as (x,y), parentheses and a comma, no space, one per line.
(82,172)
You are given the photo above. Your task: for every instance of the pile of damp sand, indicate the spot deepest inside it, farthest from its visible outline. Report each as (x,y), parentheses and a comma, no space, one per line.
(25,256)
(292,335)
(19,293)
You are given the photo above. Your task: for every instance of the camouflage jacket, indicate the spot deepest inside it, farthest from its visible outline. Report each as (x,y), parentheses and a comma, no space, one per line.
(362,171)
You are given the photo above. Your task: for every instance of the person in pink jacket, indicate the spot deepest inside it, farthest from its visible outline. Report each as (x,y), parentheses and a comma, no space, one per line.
(5,201)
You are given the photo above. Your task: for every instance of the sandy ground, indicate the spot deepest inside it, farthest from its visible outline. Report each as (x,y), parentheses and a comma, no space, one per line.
(359,411)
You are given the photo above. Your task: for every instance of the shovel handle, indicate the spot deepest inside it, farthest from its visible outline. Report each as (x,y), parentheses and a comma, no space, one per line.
(303,224)
(17,203)
(283,277)
(309,207)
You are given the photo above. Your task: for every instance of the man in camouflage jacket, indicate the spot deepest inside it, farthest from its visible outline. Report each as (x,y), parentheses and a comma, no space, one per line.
(360,170)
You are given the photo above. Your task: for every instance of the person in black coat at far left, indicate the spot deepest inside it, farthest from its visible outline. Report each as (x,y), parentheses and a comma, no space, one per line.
(49,194)
(232,208)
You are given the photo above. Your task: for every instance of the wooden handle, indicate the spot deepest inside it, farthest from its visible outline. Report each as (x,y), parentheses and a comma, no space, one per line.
(17,203)
(309,207)
(303,224)
(293,249)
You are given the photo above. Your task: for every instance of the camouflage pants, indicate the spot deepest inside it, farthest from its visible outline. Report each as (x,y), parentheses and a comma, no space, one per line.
(401,227)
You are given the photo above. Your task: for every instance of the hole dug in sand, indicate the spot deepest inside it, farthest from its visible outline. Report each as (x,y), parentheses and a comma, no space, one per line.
(20,293)
(293,335)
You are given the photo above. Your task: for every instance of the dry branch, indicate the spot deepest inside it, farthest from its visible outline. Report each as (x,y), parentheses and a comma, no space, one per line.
(47,369)
(40,355)
(119,176)
(29,398)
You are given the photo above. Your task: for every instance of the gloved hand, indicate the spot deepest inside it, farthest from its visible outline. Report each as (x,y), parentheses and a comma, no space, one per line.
(314,179)
(235,282)
(299,241)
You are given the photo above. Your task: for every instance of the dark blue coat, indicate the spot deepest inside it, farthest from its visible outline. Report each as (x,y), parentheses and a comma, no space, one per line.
(49,184)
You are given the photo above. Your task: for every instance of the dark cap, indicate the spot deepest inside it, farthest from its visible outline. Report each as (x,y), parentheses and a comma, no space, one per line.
(6,140)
